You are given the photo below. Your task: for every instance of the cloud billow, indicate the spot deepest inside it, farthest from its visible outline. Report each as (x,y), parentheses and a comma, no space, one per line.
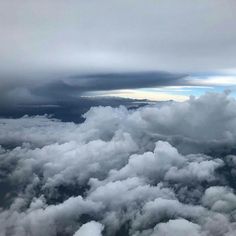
(156,170)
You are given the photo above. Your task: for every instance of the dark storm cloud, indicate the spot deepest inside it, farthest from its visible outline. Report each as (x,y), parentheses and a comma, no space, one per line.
(126,80)
(61,95)
(79,85)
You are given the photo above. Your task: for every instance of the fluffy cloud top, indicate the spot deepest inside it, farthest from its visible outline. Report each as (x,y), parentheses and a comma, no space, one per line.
(158,170)
(88,229)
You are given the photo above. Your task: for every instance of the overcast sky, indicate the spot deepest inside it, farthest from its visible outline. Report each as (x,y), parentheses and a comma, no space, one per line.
(48,40)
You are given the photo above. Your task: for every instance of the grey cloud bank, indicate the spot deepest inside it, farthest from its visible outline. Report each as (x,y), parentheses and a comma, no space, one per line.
(158,170)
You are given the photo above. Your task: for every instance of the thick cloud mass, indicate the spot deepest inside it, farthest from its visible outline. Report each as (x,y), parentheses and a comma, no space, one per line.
(91,228)
(157,170)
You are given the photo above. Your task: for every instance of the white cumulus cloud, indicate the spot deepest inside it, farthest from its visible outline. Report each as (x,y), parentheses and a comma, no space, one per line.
(158,170)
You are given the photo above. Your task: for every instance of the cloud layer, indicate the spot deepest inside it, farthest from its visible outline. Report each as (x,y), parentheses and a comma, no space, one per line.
(158,170)
(102,36)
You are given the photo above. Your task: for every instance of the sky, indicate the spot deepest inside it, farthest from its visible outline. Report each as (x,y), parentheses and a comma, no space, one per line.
(46,43)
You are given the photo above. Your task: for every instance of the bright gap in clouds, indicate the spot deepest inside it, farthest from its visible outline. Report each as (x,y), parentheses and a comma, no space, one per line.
(194,85)
(217,83)
(140,94)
